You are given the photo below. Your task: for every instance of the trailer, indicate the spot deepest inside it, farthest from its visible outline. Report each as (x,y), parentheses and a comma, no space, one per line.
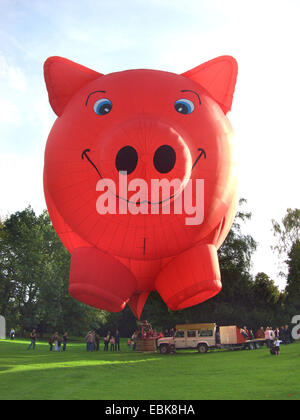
(232,339)
(204,337)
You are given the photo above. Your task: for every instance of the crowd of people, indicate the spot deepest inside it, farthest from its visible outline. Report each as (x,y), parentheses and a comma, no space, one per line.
(269,334)
(57,341)
(111,341)
(273,337)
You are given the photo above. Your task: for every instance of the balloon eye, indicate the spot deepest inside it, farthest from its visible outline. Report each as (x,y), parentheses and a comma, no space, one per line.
(126,159)
(164,159)
(102,106)
(184,106)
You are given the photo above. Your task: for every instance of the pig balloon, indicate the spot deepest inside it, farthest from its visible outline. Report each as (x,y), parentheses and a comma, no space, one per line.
(140,180)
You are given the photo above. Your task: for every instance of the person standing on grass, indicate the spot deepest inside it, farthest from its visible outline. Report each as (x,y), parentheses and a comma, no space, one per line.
(32,337)
(87,340)
(97,341)
(65,340)
(277,332)
(272,335)
(51,341)
(93,341)
(112,343)
(277,343)
(117,341)
(107,340)
(269,337)
(90,341)
(260,334)
(281,334)
(57,342)
(287,335)
(105,344)
(133,340)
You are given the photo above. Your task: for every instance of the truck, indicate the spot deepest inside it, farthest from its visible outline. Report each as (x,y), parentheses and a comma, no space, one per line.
(204,337)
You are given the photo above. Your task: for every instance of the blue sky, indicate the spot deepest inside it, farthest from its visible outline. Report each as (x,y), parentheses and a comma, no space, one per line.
(168,35)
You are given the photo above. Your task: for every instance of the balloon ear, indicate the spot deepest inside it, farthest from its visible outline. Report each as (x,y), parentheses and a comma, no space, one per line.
(218,77)
(63,78)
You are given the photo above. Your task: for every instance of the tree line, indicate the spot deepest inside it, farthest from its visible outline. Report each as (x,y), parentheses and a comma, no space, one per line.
(34,274)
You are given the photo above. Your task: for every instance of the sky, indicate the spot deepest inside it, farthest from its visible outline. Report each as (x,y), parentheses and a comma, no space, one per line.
(168,35)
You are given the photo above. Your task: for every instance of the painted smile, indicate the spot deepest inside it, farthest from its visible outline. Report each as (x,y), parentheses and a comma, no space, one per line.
(85,155)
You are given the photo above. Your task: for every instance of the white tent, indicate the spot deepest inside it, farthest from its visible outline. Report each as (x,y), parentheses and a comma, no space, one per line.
(2,328)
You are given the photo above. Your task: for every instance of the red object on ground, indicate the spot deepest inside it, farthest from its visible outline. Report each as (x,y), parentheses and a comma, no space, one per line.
(154,125)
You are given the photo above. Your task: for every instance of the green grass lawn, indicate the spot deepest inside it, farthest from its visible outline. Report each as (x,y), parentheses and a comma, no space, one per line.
(187,375)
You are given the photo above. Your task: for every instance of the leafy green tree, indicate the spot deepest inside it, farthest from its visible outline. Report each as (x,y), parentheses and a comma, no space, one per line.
(233,304)
(34,270)
(264,290)
(287,231)
(22,268)
(268,302)
(293,279)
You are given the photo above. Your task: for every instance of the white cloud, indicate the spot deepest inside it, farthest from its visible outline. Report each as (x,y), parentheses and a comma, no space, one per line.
(43,115)
(17,79)
(21,183)
(9,112)
(13,75)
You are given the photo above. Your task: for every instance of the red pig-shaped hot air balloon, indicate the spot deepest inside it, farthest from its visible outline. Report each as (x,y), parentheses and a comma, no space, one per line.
(140,180)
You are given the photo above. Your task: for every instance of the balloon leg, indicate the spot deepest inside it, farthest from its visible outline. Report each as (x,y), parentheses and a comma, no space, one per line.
(99,280)
(190,278)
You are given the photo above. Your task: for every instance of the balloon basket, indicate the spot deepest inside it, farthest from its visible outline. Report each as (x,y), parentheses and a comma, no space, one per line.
(147,345)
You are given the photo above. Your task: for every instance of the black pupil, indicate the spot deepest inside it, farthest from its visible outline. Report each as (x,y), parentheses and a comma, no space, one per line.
(164,159)
(126,159)
(105,108)
(182,108)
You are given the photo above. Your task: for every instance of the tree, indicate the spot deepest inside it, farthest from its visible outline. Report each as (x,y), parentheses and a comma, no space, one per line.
(21,264)
(293,279)
(34,273)
(288,231)
(235,263)
(288,248)
(264,290)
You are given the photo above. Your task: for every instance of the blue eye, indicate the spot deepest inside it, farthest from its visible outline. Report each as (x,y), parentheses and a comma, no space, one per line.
(102,106)
(184,106)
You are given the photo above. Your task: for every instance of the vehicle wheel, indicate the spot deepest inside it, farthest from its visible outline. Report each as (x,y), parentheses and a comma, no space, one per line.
(202,348)
(164,349)
(172,349)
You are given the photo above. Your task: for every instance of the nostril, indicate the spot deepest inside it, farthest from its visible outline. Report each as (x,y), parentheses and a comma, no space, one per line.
(164,159)
(126,159)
